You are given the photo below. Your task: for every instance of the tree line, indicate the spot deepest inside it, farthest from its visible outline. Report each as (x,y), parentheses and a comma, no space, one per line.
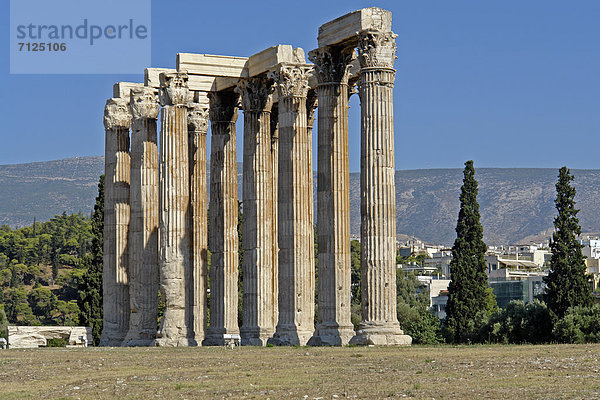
(567,314)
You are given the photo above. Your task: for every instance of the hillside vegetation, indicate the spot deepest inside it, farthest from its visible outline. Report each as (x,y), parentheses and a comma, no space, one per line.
(41,267)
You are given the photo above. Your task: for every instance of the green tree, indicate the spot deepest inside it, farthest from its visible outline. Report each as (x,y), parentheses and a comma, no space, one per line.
(90,286)
(567,282)
(66,313)
(468,298)
(17,307)
(412,310)
(3,322)
(42,302)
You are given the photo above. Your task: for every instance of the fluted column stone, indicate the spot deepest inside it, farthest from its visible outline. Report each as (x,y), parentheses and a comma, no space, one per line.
(274,300)
(175,247)
(115,286)
(334,326)
(223,218)
(258,318)
(143,231)
(295,226)
(198,284)
(379,325)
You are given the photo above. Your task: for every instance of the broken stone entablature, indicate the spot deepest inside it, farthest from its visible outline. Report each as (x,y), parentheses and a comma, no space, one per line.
(158,227)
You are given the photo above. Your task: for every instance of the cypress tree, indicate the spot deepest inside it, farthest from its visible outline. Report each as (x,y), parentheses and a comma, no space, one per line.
(567,282)
(90,288)
(468,294)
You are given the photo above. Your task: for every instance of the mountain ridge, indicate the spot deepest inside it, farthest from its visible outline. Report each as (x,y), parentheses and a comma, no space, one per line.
(517,204)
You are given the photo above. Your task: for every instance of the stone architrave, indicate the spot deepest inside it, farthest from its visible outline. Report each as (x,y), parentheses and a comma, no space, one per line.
(223,218)
(115,286)
(143,231)
(259,320)
(197,129)
(334,326)
(295,224)
(174,196)
(379,325)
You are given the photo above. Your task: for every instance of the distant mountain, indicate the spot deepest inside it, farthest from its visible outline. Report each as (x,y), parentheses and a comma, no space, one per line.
(44,189)
(517,204)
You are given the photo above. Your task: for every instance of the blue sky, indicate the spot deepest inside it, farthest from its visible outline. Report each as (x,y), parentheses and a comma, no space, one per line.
(507,83)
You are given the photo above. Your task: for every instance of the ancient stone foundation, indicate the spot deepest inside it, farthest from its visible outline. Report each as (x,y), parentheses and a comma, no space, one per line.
(160,225)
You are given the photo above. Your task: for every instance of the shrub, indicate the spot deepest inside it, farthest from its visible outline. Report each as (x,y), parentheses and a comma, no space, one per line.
(579,325)
(56,342)
(519,323)
(422,325)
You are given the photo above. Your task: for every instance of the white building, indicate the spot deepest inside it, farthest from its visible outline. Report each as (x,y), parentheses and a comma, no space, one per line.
(438,293)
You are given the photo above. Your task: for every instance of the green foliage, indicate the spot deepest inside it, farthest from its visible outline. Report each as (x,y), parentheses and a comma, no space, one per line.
(42,302)
(519,323)
(412,310)
(567,282)
(408,290)
(355,254)
(56,342)
(355,315)
(421,324)
(89,298)
(17,308)
(469,302)
(3,323)
(28,290)
(67,313)
(579,325)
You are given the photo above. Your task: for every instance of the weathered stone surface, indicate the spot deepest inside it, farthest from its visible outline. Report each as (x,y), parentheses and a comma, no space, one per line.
(274,125)
(346,27)
(295,224)
(26,337)
(334,326)
(143,231)
(197,129)
(117,120)
(223,219)
(271,57)
(259,275)
(123,89)
(152,76)
(378,209)
(174,195)
(212,65)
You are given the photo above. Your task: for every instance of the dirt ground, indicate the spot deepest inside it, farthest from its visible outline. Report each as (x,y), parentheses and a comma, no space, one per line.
(444,372)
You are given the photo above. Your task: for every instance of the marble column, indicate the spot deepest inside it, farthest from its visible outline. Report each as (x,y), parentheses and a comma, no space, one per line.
(174,194)
(334,326)
(379,325)
(296,236)
(223,218)
(115,286)
(274,300)
(258,322)
(143,231)
(197,130)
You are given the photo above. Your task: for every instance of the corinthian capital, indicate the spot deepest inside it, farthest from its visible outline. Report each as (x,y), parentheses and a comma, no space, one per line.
(377,49)
(292,80)
(144,103)
(256,93)
(332,64)
(198,117)
(173,89)
(223,106)
(116,114)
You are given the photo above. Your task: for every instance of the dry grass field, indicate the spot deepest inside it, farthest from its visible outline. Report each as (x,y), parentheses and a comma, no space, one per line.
(470,372)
